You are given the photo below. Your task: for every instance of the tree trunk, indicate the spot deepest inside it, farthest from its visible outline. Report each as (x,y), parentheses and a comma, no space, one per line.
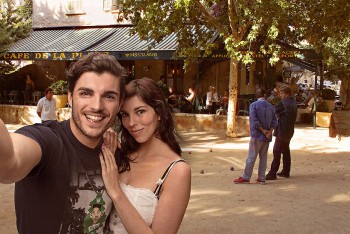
(231,130)
(345,93)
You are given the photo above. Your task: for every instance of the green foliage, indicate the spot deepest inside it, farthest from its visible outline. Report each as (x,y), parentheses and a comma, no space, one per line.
(59,87)
(164,89)
(246,26)
(322,107)
(15,24)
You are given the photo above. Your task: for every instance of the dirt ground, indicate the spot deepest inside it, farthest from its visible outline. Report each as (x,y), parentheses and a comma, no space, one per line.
(315,199)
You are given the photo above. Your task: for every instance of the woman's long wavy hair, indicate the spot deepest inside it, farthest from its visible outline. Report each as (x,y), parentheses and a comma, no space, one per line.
(150,93)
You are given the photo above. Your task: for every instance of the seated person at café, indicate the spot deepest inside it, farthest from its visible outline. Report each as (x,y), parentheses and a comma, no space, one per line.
(190,101)
(173,101)
(224,100)
(212,100)
(294,86)
(301,96)
(307,106)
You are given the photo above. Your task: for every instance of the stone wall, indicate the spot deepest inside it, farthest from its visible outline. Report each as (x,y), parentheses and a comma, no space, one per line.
(17,114)
(210,123)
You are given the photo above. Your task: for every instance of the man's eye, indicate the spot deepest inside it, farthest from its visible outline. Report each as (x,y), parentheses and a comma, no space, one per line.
(85,93)
(112,97)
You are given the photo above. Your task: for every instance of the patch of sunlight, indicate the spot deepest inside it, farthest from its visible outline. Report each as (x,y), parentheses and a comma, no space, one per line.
(209,192)
(243,145)
(210,211)
(288,188)
(258,211)
(240,164)
(339,198)
(213,145)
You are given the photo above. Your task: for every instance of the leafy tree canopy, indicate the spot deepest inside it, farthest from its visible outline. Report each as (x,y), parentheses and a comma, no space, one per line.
(247,25)
(15,24)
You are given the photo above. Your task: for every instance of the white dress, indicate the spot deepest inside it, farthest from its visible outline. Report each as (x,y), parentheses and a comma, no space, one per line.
(144,200)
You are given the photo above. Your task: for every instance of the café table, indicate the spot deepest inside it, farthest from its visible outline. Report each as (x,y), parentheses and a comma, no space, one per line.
(36,96)
(13,98)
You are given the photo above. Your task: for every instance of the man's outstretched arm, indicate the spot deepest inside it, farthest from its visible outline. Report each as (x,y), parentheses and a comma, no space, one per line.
(18,155)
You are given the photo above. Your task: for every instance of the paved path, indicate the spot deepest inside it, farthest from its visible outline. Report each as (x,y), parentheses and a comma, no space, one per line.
(316,199)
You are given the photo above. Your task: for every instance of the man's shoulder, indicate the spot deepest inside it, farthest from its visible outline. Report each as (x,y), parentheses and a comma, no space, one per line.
(262,102)
(45,127)
(41,100)
(289,101)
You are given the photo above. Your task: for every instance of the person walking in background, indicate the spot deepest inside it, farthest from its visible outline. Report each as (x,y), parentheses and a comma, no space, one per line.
(29,88)
(150,185)
(59,186)
(286,114)
(262,121)
(46,107)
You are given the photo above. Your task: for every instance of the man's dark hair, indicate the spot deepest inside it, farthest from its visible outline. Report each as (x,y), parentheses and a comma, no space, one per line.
(99,63)
(260,92)
(286,89)
(47,90)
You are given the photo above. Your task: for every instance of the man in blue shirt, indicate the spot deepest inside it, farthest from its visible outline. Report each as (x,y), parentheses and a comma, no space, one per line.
(262,121)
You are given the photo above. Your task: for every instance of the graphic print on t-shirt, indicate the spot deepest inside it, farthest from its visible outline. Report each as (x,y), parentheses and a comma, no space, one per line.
(96,216)
(88,200)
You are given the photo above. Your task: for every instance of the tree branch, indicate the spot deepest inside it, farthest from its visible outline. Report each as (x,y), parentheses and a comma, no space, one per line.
(211,19)
(231,17)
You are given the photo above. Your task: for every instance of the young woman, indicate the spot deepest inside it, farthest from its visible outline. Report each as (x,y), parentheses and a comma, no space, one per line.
(150,183)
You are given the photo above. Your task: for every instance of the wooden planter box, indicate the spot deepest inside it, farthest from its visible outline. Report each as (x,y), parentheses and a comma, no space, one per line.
(323,119)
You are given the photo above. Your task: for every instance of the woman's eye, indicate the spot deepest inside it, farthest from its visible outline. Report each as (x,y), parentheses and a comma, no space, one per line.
(139,112)
(123,115)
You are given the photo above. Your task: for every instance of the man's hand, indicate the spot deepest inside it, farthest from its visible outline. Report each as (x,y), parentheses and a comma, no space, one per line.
(268,134)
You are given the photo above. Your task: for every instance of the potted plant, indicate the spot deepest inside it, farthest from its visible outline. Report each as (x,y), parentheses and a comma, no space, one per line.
(328,95)
(60,90)
(325,107)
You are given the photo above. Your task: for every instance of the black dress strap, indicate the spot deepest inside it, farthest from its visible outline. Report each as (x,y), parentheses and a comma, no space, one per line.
(161,180)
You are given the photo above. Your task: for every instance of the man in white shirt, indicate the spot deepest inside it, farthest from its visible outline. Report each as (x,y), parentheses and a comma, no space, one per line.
(46,107)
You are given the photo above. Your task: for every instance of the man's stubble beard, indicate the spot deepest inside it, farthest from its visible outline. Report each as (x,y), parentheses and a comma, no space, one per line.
(79,126)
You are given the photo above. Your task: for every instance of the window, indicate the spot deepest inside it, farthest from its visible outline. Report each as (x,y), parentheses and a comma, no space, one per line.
(75,6)
(113,5)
